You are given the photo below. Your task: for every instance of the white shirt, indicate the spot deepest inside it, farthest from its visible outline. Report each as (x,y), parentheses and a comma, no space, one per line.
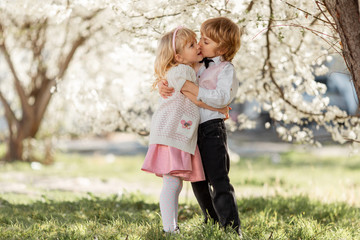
(225,91)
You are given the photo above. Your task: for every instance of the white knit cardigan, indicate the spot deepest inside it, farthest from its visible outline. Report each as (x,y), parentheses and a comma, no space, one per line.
(176,120)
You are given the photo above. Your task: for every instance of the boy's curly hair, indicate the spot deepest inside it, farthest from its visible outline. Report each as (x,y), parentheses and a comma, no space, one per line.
(224,32)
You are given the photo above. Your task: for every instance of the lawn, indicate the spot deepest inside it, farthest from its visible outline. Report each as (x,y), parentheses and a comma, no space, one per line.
(295,195)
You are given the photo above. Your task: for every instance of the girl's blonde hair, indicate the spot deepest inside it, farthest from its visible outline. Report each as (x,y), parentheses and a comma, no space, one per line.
(165,55)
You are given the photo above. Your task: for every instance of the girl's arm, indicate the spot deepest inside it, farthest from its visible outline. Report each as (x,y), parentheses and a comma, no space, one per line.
(192,97)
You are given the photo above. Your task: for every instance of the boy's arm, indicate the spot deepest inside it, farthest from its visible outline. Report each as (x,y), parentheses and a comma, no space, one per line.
(163,86)
(164,89)
(192,97)
(225,90)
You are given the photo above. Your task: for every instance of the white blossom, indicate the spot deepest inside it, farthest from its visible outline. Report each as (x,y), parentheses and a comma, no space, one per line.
(108,84)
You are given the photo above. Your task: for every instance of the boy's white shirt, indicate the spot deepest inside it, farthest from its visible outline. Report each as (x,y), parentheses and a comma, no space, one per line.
(225,91)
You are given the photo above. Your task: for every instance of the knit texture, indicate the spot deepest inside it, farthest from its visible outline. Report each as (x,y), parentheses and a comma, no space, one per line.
(176,121)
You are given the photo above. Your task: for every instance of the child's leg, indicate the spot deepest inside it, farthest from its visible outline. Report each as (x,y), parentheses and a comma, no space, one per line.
(213,149)
(202,194)
(169,199)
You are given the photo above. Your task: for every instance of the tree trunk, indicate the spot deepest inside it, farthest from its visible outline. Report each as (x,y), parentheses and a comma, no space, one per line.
(26,128)
(15,150)
(40,86)
(347,19)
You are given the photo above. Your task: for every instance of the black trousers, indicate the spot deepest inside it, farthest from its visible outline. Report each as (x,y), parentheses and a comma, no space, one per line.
(216,195)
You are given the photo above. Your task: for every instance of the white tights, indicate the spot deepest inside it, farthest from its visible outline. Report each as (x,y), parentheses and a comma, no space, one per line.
(169,199)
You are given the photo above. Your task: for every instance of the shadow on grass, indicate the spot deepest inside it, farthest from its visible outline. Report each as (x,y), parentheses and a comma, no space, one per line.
(300,206)
(131,215)
(128,208)
(134,208)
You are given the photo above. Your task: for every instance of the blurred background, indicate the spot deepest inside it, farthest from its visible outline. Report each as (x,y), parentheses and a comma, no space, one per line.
(76,102)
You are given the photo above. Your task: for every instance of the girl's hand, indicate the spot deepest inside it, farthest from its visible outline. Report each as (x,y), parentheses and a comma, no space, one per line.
(164,90)
(225,111)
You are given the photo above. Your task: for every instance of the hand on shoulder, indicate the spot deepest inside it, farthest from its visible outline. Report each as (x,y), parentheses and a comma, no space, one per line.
(164,90)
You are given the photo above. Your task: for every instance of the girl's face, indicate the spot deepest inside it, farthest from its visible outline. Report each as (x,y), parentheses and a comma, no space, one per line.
(190,54)
(208,47)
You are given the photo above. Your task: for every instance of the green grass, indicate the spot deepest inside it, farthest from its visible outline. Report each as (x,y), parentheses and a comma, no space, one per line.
(299,196)
(132,216)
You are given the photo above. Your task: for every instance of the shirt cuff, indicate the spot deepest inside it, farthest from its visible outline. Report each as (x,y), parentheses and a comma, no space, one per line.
(201,93)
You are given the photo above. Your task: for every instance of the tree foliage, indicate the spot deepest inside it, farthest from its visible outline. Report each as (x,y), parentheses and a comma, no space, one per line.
(285,44)
(72,66)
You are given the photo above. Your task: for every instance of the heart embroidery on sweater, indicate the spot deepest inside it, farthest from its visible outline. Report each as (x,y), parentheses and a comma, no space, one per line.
(186,124)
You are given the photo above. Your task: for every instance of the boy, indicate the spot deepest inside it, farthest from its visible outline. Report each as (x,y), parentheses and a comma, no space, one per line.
(220,40)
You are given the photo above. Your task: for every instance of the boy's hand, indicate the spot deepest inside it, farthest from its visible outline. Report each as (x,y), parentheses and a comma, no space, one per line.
(164,90)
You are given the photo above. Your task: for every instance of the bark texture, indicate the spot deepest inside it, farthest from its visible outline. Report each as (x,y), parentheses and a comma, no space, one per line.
(347,20)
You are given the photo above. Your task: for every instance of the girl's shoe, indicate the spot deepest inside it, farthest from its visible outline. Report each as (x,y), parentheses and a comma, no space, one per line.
(176,231)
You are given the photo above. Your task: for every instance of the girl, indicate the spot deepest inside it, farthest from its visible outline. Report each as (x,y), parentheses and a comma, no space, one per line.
(173,153)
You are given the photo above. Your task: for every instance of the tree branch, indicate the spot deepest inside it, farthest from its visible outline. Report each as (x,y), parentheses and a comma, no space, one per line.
(38,62)
(43,102)
(219,10)
(251,4)
(9,114)
(19,88)
(271,68)
(64,65)
(78,42)
(333,25)
(128,125)
(310,14)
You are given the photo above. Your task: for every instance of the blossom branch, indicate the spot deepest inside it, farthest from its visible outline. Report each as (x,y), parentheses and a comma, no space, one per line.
(270,66)
(19,88)
(9,114)
(306,12)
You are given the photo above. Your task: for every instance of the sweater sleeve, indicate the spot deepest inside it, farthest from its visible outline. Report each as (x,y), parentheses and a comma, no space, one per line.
(178,75)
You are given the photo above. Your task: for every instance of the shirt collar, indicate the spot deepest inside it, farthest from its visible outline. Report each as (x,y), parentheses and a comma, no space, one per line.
(217,60)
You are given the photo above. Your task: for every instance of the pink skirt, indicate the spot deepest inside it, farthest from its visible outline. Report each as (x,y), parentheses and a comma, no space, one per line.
(166,160)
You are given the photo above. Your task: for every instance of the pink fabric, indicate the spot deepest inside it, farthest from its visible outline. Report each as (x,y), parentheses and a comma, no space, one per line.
(209,78)
(174,36)
(165,160)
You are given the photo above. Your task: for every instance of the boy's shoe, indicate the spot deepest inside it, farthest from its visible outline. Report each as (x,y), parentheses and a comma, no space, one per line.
(240,234)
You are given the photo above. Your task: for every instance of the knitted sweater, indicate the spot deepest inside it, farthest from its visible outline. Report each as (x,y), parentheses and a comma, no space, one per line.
(176,121)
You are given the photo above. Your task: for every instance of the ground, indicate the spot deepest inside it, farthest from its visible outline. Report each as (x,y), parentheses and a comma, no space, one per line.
(106,150)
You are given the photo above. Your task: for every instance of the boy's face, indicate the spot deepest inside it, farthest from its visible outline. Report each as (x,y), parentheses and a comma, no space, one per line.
(208,47)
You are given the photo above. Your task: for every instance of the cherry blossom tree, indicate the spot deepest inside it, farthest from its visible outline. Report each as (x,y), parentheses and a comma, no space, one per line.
(72,66)
(38,42)
(285,44)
